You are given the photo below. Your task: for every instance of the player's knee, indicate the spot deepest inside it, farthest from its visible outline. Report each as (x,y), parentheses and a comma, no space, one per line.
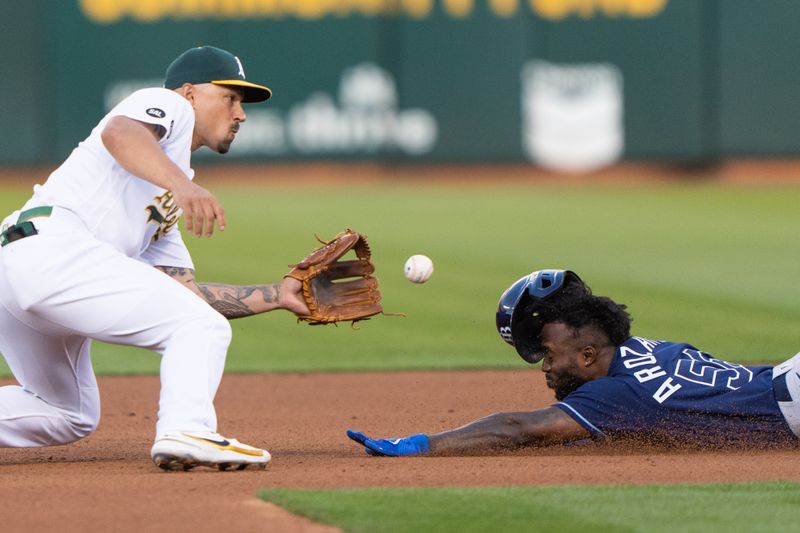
(202,329)
(83,427)
(219,327)
(73,427)
(83,423)
(208,325)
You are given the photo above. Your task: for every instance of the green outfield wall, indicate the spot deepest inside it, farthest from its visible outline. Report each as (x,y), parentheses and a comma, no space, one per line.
(571,84)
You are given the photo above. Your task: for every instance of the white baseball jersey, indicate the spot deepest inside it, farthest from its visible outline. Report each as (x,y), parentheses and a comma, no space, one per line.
(136,217)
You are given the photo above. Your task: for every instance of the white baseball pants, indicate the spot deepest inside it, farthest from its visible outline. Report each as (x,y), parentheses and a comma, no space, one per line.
(61,288)
(789,373)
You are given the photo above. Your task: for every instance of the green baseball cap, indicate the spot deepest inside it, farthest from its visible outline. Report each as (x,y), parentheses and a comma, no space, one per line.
(208,64)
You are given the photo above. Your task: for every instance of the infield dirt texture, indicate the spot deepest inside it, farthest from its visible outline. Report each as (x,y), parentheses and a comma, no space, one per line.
(107,482)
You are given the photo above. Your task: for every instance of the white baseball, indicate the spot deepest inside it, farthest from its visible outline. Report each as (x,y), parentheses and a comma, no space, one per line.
(418,268)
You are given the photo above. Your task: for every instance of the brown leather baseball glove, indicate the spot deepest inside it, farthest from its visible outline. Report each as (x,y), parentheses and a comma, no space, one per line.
(336,290)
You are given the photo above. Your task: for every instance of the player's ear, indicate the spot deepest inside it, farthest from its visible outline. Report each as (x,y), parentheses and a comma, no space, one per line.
(189,92)
(589,355)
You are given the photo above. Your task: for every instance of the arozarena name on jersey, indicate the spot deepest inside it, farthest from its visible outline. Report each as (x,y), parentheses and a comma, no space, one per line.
(650,368)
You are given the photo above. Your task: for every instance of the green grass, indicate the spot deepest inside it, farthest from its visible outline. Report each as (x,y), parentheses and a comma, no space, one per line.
(750,507)
(709,264)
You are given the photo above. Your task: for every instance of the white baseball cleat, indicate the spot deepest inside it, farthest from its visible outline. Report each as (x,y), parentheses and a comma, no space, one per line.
(186,450)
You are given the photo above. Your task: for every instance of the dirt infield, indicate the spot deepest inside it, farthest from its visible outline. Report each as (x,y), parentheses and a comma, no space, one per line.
(107,483)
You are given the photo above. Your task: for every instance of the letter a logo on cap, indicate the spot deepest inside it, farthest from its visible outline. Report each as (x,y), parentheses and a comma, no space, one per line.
(241,68)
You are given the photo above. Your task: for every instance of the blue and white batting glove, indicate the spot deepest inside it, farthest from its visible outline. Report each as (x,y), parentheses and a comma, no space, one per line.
(413,445)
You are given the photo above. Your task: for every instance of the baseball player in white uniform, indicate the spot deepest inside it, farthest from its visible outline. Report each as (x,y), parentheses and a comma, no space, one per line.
(96,253)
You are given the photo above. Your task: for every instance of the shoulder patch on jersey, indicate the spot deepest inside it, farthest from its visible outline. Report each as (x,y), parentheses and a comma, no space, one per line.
(156,112)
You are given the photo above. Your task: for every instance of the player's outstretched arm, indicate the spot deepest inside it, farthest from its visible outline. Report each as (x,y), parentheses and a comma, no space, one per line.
(542,427)
(494,432)
(237,301)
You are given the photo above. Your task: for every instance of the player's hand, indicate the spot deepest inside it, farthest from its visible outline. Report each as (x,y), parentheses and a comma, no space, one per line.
(289,297)
(413,445)
(200,209)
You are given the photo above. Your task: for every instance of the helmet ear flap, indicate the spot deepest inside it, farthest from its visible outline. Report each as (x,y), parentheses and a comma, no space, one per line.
(527,328)
(516,322)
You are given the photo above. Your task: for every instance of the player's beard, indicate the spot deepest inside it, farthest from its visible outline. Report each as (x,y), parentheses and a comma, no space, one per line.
(565,386)
(225,145)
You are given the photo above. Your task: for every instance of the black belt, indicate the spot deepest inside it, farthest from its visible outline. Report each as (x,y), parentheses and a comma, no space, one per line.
(24,227)
(780,388)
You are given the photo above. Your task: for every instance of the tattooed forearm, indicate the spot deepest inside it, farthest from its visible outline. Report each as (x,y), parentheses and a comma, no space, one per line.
(234,301)
(231,301)
(270,293)
(228,300)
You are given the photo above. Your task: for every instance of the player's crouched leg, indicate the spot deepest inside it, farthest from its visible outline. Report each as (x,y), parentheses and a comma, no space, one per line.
(191,370)
(27,420)
(192,364)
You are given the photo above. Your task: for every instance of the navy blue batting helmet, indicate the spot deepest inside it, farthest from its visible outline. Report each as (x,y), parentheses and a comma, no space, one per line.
(522,332)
